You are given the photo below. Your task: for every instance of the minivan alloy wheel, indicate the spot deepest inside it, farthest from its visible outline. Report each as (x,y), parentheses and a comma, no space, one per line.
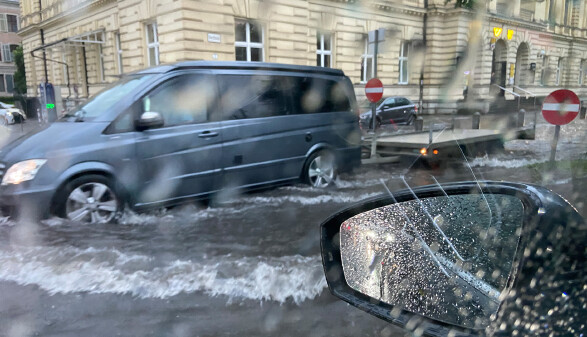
(321,171)
(91,202)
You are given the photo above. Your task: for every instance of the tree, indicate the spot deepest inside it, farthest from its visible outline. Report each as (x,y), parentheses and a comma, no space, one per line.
(19,75)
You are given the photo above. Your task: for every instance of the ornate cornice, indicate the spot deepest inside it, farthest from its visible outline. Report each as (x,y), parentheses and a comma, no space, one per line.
(60,17)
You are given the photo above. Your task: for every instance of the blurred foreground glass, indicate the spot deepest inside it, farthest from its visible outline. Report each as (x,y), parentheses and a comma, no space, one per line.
(447,258)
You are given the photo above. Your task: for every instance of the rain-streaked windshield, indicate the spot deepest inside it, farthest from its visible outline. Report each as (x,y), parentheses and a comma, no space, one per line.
(196,211)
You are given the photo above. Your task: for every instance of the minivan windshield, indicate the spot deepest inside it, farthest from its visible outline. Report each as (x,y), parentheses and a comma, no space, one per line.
(106,98)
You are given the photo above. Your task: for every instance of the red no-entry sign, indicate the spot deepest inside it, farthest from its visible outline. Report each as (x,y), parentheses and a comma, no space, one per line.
(374,90)
(561,107)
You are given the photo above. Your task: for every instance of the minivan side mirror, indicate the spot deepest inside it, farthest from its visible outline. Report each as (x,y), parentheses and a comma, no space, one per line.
(459,259)
(150,120)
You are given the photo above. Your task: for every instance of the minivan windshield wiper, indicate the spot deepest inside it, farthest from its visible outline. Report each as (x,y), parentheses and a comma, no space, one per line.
(78,114)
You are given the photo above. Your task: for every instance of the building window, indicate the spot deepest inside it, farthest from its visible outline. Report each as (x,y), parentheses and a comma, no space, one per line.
(544,74)
(249,39)
(101,62)
(2,86)
(559,71)
(582,72)
(152,44)
(9,83)
(7,50)
(118,52)
(367,61)
(12,21)
(324,50)
(404,67)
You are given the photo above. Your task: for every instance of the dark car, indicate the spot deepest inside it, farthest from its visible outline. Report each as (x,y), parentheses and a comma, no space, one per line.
(390,110)
(175,133)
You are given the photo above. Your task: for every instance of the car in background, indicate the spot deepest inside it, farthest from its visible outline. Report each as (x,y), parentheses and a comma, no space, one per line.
(10,115)
(391,110)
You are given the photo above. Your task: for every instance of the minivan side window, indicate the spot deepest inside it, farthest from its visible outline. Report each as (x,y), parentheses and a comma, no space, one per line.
(316,95)
(245,96)
(184,99)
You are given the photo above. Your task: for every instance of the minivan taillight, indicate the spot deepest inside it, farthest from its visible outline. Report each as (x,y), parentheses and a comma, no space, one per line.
(416,107)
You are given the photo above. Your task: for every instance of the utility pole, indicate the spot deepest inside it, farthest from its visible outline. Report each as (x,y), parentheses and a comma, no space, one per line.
(424,34)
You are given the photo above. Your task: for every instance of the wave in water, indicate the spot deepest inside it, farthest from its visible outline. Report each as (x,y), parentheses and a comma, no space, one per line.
(502,162)
(70,270)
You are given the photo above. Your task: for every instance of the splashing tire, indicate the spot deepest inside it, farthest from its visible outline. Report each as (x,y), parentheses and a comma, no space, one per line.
(320,169)
(90,199)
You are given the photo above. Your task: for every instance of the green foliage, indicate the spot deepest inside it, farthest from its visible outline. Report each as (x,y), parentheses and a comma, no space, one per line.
(7,100)
(19,75)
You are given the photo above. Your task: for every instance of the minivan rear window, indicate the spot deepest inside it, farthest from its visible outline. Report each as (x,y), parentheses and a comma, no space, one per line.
(315,95)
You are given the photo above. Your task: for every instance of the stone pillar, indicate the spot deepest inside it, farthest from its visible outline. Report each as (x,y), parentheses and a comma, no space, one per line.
(516,8)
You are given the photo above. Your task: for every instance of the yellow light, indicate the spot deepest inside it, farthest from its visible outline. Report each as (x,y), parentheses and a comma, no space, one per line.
(497,31)
(510,34)
(435,151)
(424,151)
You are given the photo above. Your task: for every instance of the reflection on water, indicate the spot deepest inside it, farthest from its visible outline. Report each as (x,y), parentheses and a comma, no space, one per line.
(447,258)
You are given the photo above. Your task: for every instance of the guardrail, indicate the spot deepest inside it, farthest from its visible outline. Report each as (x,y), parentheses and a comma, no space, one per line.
(528,94)
(531,94)
(518,96)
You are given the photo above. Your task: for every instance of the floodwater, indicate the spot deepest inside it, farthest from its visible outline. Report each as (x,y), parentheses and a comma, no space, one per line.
(247,266)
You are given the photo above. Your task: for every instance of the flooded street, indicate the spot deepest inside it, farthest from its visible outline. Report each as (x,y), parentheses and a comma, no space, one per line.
(246,265)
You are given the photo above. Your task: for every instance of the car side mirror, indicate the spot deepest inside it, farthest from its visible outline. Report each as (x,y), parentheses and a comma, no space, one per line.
(150,120)
(451,259)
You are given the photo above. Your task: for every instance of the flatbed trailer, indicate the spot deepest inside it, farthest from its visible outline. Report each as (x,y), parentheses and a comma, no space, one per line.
(437,145)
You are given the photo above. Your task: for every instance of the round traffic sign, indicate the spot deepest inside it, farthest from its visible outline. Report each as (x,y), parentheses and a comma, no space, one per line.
(561,107)
(374,90)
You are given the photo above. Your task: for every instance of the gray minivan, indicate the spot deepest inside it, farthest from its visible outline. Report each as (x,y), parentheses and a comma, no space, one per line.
(175,133)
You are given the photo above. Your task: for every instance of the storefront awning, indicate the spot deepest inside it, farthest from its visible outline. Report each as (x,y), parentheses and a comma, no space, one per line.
(81,40)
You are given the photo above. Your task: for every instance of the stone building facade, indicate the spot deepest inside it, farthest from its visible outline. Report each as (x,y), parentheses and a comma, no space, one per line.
(9,40)
(521,46)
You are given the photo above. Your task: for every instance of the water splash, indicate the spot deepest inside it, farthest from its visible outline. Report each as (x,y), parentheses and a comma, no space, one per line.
(71,270)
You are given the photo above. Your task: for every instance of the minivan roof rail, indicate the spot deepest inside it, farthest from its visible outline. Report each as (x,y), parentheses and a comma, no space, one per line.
(242,65)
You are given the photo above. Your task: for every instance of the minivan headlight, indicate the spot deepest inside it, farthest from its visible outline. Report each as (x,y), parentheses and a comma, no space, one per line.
(22,171)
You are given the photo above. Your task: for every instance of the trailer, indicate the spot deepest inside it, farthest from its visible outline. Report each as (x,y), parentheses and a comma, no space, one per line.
(434,146)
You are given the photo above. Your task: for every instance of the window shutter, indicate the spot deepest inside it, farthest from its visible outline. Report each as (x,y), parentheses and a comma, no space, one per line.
(6,55)
(3,23)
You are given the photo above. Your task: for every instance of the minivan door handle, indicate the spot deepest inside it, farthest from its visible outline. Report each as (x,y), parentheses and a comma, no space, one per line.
(208,134)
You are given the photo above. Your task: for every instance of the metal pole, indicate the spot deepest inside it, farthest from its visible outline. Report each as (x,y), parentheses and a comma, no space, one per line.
(375,52)
(44,56)
(424,33)
(373,116)
(557,131)
(85,65)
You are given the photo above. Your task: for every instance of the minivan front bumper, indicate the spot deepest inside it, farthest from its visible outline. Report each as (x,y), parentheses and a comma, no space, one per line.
(25,201)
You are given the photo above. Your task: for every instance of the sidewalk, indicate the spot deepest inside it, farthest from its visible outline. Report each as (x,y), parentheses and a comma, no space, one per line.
(10,133)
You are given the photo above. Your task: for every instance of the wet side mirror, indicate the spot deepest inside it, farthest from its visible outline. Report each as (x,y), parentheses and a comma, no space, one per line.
(445,259)
(150,120)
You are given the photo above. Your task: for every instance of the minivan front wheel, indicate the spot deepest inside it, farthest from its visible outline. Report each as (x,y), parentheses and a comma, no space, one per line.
(320,169)
(90,199)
